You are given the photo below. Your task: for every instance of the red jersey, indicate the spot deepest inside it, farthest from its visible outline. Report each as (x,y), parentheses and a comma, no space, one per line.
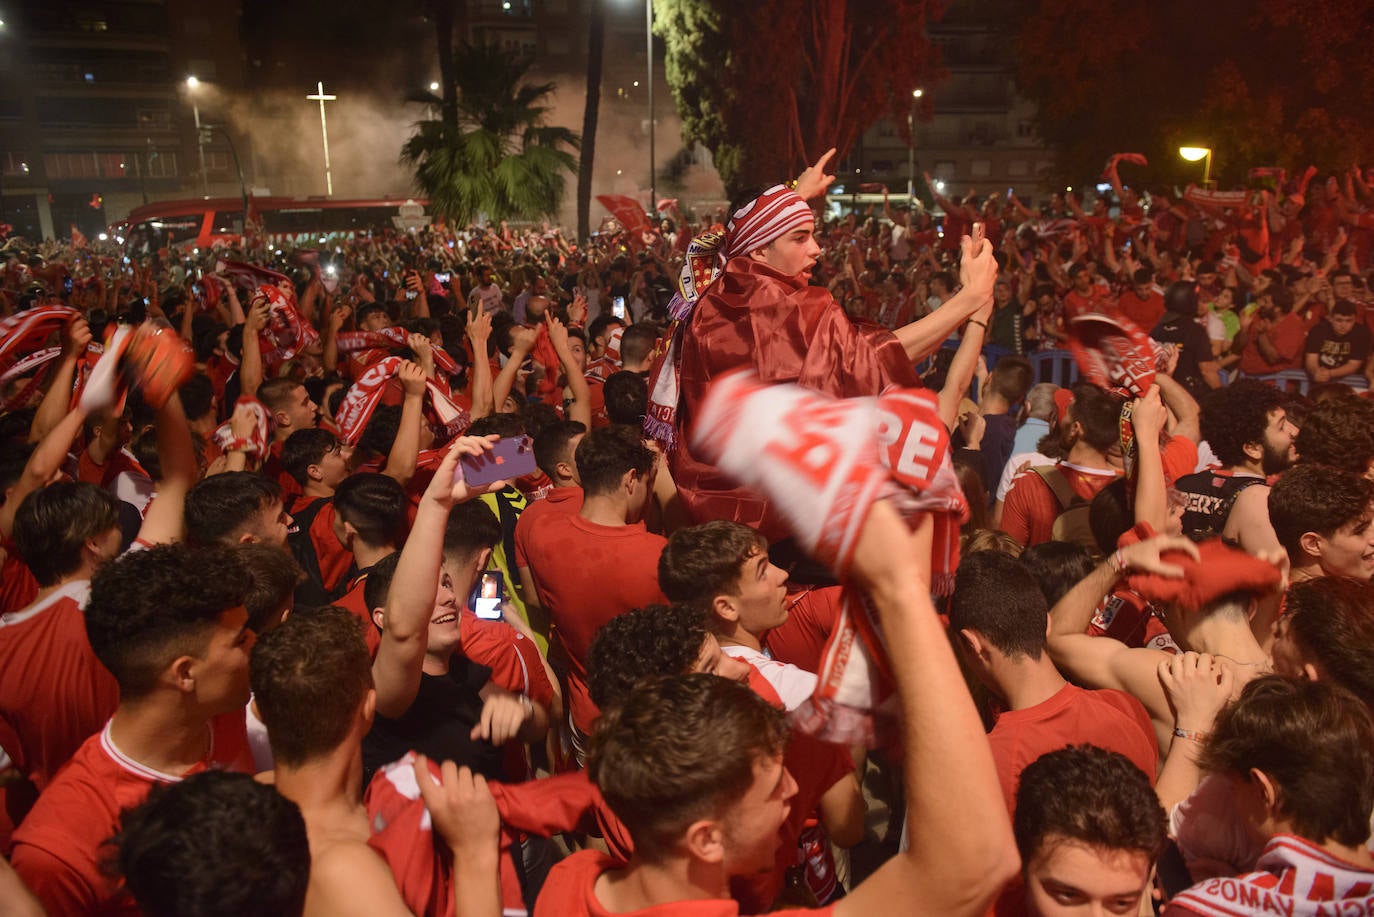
(323,557)
(564,501)
(811,618)
(1031,507)
(1108,719)
(1145,313)
(354,601)
(569,563)
(514,660)
(274,469)
(54,692)
(1288,335)
(570,891)
(17,586)
(59,847)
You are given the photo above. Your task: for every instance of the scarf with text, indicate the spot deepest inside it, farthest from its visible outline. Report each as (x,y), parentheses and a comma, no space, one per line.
(365,394)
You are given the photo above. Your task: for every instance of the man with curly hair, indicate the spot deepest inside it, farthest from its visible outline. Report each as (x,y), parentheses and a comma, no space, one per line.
(1324,518)
(1248,430)
(1339,432)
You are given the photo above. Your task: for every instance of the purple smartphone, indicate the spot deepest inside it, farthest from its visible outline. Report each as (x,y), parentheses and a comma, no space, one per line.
(509,459)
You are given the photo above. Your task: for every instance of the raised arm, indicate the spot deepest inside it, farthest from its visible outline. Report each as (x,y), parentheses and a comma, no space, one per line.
(405,450)
(961,849)
(57,399)
(581,408)
(479,332)
(45,461)
(410,600)
(251,367)
(977,272)
(164,521)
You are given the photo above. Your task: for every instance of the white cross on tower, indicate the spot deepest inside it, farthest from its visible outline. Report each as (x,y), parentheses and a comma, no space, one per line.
(320,97)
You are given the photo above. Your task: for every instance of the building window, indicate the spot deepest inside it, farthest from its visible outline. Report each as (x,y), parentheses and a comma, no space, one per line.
(944,169)
(980,168)
(1018,168)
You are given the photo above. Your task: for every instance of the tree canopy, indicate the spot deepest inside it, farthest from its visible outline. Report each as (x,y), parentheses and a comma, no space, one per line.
(490,152)
(769,85)
(1261,82)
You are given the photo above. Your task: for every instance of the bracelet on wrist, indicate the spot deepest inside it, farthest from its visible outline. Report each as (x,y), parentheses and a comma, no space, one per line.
(974,321)
(1192,735)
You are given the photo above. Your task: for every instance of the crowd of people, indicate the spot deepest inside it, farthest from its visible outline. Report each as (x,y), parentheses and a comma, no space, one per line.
(486,571)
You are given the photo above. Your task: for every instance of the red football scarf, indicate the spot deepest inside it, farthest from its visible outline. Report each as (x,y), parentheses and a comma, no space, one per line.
(386,339)
(256,442)
(823,462)
(1113,353)
(365,394)
(286,334)
(23,333)
(36,363)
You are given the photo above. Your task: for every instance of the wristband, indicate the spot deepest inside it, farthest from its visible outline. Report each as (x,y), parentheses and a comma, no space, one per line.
(1192,735)
(974,321)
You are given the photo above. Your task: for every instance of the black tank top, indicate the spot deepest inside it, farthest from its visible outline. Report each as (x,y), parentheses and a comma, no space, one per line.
(1210,495)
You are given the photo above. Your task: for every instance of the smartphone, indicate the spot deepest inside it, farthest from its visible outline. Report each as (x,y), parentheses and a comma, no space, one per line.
(411,294)
(487,595)
(197,289)
(67,285)
(511,458)
(444,277)
(618,307)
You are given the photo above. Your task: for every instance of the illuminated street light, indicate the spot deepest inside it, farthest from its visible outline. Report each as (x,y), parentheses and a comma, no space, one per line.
(433,87)
(320,97)
(1193,154)
(911,146)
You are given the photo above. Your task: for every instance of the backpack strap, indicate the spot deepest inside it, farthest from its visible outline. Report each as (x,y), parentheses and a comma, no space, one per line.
(1058,485)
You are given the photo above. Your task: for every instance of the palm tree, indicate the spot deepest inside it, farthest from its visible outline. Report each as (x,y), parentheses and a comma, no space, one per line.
(490,152)
(596,42)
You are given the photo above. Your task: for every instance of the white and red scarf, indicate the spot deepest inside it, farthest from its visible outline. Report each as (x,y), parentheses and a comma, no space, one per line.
(255,444)
(1294,878)
(365,394)
(386,339)
(822,462)
(23,333)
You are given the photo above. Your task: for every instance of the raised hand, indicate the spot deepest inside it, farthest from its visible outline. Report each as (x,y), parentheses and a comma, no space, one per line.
(813,182)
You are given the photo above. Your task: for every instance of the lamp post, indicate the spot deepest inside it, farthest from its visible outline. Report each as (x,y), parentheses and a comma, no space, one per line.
(1193,154)
(911,147)
(191,84)
(649,66)
(320,97)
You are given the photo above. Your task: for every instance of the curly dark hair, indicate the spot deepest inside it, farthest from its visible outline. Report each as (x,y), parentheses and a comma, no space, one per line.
(1339,432)
(1087,794)
(213,845)
(1316,498)
(1236,415)
(643,643)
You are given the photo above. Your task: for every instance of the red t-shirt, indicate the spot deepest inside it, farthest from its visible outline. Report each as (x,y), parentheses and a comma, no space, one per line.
(1288,336)
(54,693)
(564,501)
(811,617)
(59,847)
(274,469)
(353,601)
(585,575)
(1031,507)
(1108,719)
(569,891)
(17,586)
(514,661)
(334,559)
(1145,313)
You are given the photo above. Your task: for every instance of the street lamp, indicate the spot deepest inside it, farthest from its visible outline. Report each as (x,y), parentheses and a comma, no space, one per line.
(911,146)
(649,66)
(191,84)
(1193,154)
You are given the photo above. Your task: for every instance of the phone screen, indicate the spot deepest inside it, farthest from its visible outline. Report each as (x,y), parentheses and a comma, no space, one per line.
(487,596)
(618,307)
(443,278)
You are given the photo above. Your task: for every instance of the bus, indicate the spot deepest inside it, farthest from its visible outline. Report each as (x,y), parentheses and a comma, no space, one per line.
(206,222)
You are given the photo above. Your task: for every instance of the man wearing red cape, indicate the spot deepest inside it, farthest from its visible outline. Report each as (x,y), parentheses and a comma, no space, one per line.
(746,301)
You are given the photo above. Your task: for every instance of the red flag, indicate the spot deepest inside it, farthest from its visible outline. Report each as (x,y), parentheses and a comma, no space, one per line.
(252,222)
(78,239)
(627,211)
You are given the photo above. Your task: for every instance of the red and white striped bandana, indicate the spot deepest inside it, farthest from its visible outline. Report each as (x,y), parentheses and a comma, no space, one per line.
(771,215)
